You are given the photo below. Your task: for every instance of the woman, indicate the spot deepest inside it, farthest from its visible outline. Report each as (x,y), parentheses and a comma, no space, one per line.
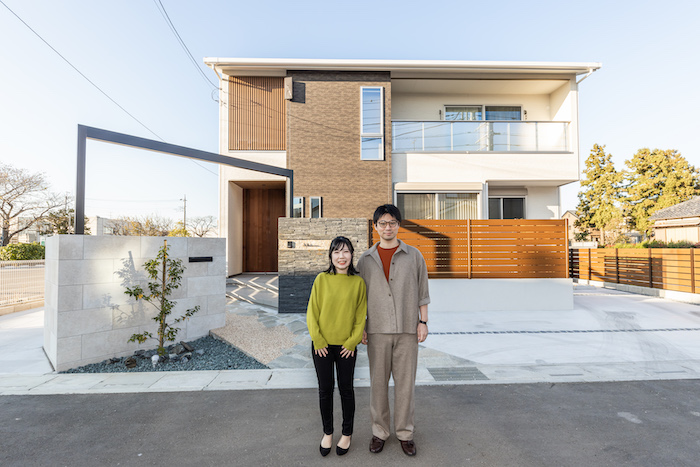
(336,318)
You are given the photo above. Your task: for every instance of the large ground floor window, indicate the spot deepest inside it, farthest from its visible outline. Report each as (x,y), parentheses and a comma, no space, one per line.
(506,208)
(438,205)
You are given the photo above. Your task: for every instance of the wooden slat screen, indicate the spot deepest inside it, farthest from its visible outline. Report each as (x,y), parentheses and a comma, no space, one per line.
(659,268)
(489,248)
(257,113)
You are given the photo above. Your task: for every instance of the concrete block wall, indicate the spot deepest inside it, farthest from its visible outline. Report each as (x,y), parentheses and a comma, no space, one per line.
(88,317)
(299,266)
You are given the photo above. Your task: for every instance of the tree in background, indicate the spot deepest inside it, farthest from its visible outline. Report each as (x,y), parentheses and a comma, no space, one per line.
(598,206)
(61,221)
(24,201)
(201,226)
(178,231)
(657,179)
(149,226)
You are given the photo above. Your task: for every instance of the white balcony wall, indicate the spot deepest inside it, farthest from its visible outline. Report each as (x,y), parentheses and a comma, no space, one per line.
(521,169)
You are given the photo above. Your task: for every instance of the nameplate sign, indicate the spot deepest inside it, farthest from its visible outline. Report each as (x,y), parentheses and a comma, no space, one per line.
(304,244)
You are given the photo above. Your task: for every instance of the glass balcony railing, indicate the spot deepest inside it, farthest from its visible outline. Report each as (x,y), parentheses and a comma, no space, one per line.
(473,136)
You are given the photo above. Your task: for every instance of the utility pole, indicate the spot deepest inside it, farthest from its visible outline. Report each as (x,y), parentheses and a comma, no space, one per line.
(184,211)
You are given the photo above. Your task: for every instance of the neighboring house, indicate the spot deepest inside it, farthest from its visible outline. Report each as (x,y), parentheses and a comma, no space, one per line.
(571,218)
(440,139)
(28,235)
(101,225)
(678,222)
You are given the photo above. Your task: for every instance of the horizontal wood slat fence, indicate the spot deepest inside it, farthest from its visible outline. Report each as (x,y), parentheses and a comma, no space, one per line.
(489,249)
(658,268)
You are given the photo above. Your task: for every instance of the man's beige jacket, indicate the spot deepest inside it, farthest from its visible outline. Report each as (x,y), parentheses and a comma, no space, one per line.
(393,306)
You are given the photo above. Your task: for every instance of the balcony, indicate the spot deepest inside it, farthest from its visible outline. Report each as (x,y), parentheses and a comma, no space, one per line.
(480,136)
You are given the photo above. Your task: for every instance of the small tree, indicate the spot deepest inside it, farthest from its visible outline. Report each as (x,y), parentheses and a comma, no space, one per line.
(179,231)
(166,275)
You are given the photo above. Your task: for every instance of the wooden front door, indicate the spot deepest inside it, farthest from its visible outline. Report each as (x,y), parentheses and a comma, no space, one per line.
(261,209)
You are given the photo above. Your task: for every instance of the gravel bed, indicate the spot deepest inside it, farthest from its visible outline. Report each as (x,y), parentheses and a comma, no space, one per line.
(218,355)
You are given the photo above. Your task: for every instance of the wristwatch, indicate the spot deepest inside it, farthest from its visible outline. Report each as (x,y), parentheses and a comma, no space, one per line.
(423,322)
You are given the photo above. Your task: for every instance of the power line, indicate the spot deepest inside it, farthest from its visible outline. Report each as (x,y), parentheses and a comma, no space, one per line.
(166,17)
(79,72)
(93,84)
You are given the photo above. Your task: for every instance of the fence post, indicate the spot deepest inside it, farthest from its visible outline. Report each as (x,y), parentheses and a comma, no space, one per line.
(566,246)
(617,267)
(651,279)
(469,248)
(692,270)
(589,265)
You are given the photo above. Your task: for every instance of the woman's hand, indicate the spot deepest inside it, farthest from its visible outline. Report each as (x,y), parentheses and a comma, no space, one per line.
(345,353)
(322,352)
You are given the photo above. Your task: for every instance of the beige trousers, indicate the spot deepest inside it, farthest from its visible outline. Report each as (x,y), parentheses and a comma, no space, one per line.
(392,355)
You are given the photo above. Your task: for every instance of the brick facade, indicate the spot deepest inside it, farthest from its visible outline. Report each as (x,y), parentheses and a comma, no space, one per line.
(323,143)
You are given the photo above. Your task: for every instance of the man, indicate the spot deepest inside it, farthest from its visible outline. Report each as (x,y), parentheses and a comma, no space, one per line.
(397,320)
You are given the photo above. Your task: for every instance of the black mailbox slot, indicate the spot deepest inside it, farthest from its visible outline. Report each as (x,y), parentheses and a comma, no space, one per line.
(201,259)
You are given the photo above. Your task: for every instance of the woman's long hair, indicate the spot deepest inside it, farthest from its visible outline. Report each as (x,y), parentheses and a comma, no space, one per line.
(337,244)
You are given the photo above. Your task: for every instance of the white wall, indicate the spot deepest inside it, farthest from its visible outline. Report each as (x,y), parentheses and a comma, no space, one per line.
(501,294)
(542,203)
(87,316)
(502,167)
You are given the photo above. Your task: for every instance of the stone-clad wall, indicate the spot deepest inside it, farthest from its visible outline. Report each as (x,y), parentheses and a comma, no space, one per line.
(88,317)
(300,261)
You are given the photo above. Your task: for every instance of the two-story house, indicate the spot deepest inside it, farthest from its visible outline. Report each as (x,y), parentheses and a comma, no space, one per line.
(440,139)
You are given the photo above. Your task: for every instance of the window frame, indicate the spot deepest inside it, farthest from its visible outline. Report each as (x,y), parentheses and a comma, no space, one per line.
(483,112)
(524,198)
(437,199)
(370,135)
(303,207)
(311,207)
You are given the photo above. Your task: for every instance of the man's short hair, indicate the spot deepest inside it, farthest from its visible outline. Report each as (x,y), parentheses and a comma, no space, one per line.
(390,209)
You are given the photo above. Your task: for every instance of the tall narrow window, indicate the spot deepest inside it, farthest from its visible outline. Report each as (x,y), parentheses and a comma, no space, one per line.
(316,207)
(298,210)
(372,124)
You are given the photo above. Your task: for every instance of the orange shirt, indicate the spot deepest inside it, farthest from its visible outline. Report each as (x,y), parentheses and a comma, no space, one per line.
(385,254)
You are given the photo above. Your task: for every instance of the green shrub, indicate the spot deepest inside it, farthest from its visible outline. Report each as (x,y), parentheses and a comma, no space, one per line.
(22,252)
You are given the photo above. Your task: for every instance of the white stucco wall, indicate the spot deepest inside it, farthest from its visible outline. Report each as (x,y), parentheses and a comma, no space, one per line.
(501,294)
(87,316)
(503,167)
(542,203)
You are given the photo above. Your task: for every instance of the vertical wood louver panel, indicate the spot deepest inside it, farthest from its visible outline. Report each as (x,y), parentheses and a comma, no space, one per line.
(257,113)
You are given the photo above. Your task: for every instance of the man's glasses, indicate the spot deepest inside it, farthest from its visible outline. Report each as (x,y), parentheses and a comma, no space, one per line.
(385,224)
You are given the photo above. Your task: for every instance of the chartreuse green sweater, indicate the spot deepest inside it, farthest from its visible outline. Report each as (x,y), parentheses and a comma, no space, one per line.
(337,310)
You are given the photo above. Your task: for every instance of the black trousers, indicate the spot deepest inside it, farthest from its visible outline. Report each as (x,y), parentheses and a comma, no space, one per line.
(345,369)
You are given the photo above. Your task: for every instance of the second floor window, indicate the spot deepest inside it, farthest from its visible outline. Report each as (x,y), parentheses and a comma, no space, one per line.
(372,124)
(482,112)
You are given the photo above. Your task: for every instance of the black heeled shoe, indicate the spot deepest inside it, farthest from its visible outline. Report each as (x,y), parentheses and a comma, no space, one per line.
(340,451)
(324,451)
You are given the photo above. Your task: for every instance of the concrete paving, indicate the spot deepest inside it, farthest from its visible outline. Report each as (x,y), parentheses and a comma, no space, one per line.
(608,336)
(648,423)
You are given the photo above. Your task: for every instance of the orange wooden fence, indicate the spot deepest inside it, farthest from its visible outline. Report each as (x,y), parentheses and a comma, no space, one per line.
(659,268)
(489,249)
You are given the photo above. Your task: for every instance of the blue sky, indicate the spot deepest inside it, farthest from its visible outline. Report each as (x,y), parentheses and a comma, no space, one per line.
(645,95)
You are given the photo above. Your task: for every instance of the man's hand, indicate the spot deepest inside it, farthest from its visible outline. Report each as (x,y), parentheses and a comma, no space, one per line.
(364,337)
(422,332)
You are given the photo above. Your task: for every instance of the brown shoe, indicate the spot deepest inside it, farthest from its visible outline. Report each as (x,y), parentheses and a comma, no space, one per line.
(409,447)
(376,445)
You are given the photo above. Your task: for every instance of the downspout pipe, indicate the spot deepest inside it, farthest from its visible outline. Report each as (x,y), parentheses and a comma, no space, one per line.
(590,71)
